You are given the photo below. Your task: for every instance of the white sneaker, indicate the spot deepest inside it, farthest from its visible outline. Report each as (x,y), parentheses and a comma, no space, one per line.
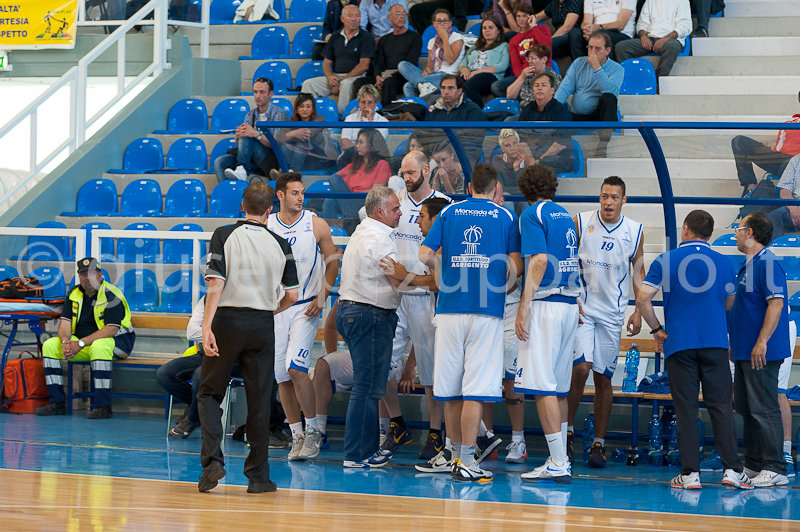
(550,472)
(470,473)
(426,89)
(687,482)
(517,452)
(383,438)
(769,479)
(240,173)
(438,464)
(312,443)
(732,479)
(298,440)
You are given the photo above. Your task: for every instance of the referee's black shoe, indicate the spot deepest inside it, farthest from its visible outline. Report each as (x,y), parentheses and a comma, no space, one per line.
(261,487)
(210,476)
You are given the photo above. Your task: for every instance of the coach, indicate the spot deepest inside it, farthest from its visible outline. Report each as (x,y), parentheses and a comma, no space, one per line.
(367,319)
(247,265)
(698,286)
(759,334)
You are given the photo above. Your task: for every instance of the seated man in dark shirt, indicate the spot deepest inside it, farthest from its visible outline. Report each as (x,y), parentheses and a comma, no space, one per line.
(95,325)
(549,147)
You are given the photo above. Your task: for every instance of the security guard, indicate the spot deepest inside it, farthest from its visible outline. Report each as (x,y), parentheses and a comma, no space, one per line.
(95,325)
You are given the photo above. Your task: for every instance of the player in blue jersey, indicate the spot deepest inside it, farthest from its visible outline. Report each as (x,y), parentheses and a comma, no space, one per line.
(480,249)
(548,315)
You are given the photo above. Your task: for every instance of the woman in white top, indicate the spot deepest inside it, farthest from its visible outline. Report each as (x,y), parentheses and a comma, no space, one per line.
(445,52)
(366,111)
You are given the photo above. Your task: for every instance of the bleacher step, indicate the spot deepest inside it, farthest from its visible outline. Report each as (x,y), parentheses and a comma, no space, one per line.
(695,169)
(711,104)
(756,26)
(754,85)
(761,8)
(752,46)
(736,66)
(161,223)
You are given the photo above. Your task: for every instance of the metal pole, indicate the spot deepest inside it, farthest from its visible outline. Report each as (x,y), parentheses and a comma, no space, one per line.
(667,197)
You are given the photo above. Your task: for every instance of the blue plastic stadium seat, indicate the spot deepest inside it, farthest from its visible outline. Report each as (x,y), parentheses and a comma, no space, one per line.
(176,293)
(791,265)
(141,198)
(307,11)
(97,197)
(138,250)
(303,41)
(6,272)
(223,11)
(427,35)
(640,77)
(186,197)
(55,248)
(221,148)
(180,251)
(338,231)
(141,157)
(730,241)
(140,289)
(502,104)
(311,69)
(52,279)
(279,73)
(226,199)
(186,156)
(555,67)
(726,240)
(284,104)
(187,116)
(326,108)
(352,107)
(474,30)
(106,244)
(577,162)
(318,187)
(794,308)
(271,42)
(228,115)
(401,148)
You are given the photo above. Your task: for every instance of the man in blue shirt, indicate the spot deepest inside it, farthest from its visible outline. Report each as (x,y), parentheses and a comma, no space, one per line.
(699,287)
(759,339)
(375,16)
(548,315)
(480,256)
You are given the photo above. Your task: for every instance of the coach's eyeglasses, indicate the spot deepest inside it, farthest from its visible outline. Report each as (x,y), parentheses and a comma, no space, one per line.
(740,228)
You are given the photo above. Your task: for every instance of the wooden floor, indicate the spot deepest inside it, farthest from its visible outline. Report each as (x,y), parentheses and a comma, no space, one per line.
(58,501)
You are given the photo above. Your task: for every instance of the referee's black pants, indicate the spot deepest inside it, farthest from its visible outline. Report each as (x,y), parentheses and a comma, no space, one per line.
(246,335)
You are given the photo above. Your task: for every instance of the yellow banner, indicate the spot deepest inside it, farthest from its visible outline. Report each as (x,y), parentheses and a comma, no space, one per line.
(30,24)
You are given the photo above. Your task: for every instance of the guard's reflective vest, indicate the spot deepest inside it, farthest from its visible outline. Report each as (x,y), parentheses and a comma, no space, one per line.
(76,299)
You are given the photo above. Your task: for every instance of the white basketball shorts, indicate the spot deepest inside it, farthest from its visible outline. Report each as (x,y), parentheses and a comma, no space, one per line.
(415,325)
(786,368)
(597,342)
(294,338)
(510,341)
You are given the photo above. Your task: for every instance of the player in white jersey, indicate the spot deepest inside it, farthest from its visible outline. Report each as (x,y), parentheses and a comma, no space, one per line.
(296,328)
(609,245)
(414,323)
(786,411)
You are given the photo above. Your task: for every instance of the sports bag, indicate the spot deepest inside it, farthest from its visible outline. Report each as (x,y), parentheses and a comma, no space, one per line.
(24,386)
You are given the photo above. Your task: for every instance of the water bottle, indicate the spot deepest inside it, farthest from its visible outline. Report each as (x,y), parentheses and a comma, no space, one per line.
(631,370)
(588,436)
(673,456)
(654,453)
(701,430)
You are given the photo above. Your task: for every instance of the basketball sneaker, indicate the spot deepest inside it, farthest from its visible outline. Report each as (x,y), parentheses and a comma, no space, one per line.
(732,479)
(597,458)
(433,446)
(311,444)
(298,440)
(438,464)
(396,438)
(470,473)
(571,446)
(687,482)
(517,452)
(379,459)
(712,463)
(769,479)
(550,472)
(486,446)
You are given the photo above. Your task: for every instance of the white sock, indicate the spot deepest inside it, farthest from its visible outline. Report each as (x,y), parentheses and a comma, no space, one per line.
(296,428)
(601,441)
(787,446)
(322,423)
(448,444)
(564,435)
(558,449)
(312,422)
(482,430)
(385,423)
(467,454)
(518,436)
(571,428)
(456,451)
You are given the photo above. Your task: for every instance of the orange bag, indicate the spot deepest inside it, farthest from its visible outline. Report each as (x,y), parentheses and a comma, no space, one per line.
(24,385)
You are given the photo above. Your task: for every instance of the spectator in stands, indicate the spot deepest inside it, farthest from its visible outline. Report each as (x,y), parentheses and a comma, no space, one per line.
(662,28)
(95,325)
(537,58)
(515,156)
(704,10)
(549,147)
(375,16)
(422,14)
(445,52)
(306,148)
(787,219)
(412,144)
(565,15)
(367,171)
(346,57)
(772,159)
(615,18)
(365,112)
(454,106)
(255,152)
(696,281)
(594,81)
(486,62)
(400,45)
(506,13)
(530,34)
(448,176)
(759,340)
(331,23)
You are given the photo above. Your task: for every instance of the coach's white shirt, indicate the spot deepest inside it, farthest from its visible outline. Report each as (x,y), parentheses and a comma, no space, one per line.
(362,278)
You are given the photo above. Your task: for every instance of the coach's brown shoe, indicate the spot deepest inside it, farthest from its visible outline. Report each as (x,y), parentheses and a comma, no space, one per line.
(101,412)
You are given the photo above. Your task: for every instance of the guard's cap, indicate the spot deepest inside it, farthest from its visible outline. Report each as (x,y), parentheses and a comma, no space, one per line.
(89,263)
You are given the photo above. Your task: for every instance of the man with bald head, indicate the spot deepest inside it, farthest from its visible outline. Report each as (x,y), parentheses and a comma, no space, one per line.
(345,58)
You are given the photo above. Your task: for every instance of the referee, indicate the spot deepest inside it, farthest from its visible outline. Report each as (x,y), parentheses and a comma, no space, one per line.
(247,266)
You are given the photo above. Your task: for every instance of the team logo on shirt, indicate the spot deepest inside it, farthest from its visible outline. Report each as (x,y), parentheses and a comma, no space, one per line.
(308,227)
(591,229)
(471,259)
(571,264)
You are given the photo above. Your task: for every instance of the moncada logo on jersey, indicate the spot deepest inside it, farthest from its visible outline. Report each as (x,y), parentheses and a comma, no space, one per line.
(570,265)
(471,258)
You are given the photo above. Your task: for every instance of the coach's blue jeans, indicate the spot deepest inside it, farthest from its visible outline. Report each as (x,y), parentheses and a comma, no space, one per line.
(368,332)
